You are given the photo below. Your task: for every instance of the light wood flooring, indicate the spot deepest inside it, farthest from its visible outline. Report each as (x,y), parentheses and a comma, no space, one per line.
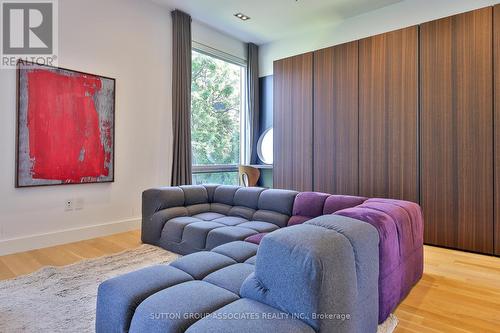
(460,292)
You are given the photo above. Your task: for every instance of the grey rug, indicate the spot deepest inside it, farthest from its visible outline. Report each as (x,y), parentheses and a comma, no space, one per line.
(62,299)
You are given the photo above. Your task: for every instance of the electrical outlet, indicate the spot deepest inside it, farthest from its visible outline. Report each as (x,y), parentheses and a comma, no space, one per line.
(79,203)
(69,205)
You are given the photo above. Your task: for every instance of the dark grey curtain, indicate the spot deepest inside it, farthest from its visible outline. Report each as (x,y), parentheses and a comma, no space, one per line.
(181,98)
(252,79)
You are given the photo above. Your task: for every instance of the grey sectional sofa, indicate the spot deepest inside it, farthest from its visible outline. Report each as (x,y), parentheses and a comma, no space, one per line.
(309,262)
(189,219)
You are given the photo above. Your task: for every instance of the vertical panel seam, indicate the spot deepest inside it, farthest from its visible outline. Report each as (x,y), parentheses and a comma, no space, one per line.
(359,119)
(313,107)
(419,154)
(494,110)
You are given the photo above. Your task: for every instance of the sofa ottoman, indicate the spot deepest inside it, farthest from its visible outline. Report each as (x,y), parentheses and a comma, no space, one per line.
(120,296)
(320,276)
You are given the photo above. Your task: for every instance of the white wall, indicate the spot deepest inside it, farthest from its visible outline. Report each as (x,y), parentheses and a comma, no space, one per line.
(129,40)
(397,16)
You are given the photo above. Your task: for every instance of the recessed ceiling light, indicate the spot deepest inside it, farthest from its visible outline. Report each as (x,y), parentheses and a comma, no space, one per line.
(242,16)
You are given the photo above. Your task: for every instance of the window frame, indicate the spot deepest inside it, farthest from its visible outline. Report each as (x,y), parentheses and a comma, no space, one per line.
(244,125)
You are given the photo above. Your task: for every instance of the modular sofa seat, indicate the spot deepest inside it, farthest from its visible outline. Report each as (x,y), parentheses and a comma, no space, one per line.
(194,218)
(320,276)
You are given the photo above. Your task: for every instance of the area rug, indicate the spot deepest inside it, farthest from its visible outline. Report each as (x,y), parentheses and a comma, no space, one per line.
(62,299)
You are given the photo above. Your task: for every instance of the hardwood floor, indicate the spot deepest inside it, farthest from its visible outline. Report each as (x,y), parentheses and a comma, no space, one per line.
(460,292)
(26,262)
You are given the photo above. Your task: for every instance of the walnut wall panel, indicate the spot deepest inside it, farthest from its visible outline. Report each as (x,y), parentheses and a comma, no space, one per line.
(415,111)
(388,107)
(496,39)
(336,119)
(456,131)
(293,123)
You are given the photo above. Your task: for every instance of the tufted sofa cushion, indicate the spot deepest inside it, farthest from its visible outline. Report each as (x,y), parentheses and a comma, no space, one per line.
(235,317)
(248,197)
(338,202)
(194,194)
(224,194)
(307,205)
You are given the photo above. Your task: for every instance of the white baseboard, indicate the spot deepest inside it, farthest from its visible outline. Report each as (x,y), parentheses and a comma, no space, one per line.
(32,242)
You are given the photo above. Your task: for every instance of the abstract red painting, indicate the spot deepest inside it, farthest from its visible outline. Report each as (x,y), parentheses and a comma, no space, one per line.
(65,126)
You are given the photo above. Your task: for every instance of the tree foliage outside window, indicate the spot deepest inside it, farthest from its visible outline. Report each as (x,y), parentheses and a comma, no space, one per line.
(215,116)
(226,178)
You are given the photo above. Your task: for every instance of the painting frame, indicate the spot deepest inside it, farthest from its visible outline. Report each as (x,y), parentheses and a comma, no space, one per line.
(22,65)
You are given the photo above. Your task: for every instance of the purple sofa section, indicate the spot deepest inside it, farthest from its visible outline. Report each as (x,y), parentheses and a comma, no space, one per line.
(400,227)
(308,205)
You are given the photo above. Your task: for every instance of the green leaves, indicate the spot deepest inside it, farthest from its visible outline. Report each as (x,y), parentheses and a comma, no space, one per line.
(215,131)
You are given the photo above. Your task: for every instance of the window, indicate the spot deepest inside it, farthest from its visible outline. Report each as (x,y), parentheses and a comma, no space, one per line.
(265,146)
(217,119)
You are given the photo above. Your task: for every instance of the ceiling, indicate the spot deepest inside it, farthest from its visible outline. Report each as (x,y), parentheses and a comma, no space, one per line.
(273,19)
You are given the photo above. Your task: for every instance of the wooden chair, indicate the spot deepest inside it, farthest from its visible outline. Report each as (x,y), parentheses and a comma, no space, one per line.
(248,175)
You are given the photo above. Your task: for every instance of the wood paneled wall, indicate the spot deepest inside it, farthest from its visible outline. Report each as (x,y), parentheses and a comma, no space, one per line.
(336,119)
(412,114)
(293,123)
(388,106)
(496,53)
(456,130)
